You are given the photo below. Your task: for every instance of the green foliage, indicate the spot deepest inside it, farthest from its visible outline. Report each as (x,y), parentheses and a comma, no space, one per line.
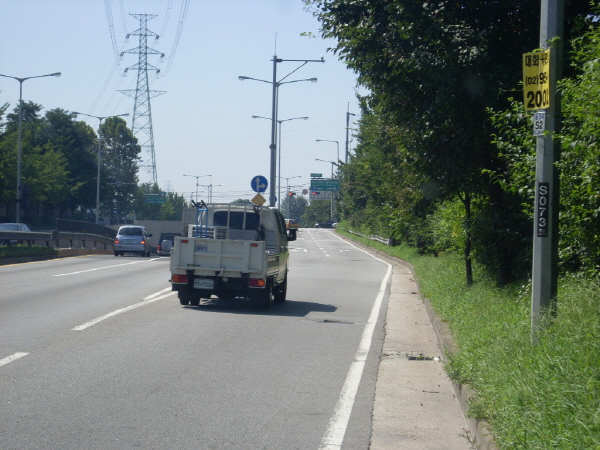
(15,251)
(317,211)
(171,209)
(295,204)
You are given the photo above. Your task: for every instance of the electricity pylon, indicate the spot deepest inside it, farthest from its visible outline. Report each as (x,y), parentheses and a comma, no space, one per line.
(142,113)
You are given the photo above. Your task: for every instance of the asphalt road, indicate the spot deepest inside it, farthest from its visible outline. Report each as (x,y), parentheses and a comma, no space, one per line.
(96,352)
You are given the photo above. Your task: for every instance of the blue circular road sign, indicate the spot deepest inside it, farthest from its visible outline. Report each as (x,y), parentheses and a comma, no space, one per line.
(259,183)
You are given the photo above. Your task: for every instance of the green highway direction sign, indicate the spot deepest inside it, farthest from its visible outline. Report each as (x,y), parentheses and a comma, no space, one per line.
(326,184)
(156,198)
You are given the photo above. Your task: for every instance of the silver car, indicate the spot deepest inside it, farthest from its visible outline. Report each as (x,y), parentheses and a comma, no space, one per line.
(21,227)
(132,239)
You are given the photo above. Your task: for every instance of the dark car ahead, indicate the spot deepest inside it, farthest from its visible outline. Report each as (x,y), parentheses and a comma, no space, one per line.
(328,224)
(165,243)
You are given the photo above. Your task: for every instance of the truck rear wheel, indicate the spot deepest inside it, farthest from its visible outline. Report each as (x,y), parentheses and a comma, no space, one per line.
(188,298)
(263,298)
(280,292)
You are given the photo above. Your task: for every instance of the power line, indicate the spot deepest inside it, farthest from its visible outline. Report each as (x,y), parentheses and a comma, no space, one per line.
(182,16)
(111,29)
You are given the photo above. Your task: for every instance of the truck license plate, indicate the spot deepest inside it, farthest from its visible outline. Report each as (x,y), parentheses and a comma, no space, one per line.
(204,283)
(201,248)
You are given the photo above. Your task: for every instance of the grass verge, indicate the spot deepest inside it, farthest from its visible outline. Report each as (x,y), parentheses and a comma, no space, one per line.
(544,396)
(16,251)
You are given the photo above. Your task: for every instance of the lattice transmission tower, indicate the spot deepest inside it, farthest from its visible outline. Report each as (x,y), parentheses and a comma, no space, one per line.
(142,112)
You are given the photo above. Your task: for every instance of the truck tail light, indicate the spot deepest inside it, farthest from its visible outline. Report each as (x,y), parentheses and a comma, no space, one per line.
(176,278)
(256,282)
(116,241)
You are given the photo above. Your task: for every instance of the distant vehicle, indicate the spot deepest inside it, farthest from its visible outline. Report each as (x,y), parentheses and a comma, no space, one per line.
(132,239)
(21,227)
(166,243)
(328,224)
(291,226)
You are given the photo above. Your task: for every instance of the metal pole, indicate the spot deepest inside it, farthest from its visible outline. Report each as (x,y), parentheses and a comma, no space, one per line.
(273,146)
(279,169)
(348,114)
(545,243)
(18,214)
(98,176)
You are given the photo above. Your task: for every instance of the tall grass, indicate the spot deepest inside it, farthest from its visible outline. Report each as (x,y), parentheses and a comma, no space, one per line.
(543,396)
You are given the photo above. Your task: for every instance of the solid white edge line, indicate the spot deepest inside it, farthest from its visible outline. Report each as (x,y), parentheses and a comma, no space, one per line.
(150,299)
(338,423)
(12,358)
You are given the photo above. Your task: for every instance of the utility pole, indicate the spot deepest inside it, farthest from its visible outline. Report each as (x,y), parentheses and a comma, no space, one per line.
(545,237)
(142,114)
(348,114)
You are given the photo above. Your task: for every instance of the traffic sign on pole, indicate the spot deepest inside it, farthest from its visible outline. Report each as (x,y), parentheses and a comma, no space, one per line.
(259,183)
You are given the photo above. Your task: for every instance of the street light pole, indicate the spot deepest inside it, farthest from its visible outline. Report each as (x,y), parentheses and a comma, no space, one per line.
(337,143)
(99,157)
(332,164)
(279,154)
(196,177)
(20,126)
(209,188)
(287,191)
(276,84)
(348,114)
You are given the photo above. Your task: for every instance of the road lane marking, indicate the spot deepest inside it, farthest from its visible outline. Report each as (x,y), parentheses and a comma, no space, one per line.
(12,358)
(338,423)
(150,299)
(102,268)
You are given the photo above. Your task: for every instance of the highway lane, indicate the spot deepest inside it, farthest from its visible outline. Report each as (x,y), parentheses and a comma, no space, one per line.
(165,376)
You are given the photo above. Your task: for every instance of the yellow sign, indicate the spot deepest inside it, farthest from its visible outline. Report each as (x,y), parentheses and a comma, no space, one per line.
(258,200)
(536,80)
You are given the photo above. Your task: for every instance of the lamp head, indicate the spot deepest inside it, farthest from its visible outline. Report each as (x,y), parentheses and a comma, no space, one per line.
(55,74)
(242,78)
(312,80)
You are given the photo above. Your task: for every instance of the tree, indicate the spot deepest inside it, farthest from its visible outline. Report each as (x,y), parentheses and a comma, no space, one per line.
(433,69)
(121,155)
(295,204)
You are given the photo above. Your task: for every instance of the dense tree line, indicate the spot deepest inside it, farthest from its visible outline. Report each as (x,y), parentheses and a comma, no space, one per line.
(445,158)
(59,170)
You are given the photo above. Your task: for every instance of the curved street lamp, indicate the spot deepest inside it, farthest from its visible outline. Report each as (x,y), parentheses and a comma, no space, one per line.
(279,153)
(196,177)
(276,84)
(338,146)
(21,80)
(99,158)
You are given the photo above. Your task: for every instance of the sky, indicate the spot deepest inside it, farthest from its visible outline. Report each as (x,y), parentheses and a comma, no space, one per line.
(203,129)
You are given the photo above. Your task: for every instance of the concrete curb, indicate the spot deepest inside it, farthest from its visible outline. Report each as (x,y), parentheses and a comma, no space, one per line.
(481,437)
(62,253)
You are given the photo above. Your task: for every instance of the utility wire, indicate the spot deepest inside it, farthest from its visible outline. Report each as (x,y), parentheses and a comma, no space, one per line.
(111,29)
(182,16)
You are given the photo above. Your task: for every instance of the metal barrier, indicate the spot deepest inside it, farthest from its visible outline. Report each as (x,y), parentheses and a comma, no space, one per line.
(55,238)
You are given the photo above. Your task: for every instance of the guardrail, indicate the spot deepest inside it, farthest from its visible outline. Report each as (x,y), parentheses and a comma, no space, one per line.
(389,242)
(59,239)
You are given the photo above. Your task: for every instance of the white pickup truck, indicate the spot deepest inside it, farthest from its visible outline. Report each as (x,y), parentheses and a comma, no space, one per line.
(231,250)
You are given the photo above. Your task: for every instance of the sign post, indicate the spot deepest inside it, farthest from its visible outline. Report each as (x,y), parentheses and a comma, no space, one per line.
(544,95)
